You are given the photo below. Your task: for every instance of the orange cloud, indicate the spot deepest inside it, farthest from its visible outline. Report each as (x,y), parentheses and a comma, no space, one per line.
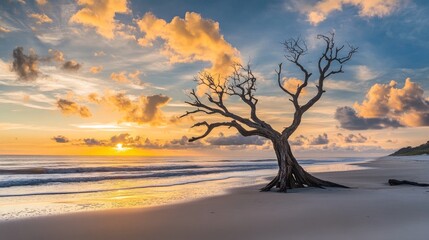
(41,18)
(4,29)
(141,109)
(124,77)
(190,39)
(100,15)
(41,2)
(70,108)
(367,8)
(291,84)
(144,109)
(96,69)
(386,105)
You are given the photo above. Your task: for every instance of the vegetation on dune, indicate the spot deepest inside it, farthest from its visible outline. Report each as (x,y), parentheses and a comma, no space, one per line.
(410,151)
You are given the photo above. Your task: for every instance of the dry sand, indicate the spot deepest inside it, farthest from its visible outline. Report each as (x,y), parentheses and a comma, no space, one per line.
(369,210)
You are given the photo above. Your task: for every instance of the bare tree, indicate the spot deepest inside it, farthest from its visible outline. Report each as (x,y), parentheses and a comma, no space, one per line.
(242,84)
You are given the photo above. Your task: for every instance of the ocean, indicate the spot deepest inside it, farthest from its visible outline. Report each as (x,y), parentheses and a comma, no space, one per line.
(33,186)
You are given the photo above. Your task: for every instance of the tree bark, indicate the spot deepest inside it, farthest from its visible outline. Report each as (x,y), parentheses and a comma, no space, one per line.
(291,174)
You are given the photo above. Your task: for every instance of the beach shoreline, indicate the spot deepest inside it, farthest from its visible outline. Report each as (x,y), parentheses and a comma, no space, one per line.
(370,209)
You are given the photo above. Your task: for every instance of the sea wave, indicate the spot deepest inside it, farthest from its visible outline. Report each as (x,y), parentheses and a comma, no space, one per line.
(146,174)
(39,170)
(114,189)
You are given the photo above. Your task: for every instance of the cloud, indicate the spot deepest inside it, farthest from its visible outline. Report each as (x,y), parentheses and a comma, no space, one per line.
(352,138)
(317,13)
(56,55)
(26,66)
(320,140)
(129,141)
(236,139)
(141,109)
(100,15)
(348,119)
(386,105)
(93,142)
(387,99)
(4,29)
(302,140)
(37,101)
(40,18)
(41,2)
(60,139)
(190,39)
(96,69)
(291,84)
(364,73)
(99,54)
(70,108)
(71,65)
(124,77)
(299,141)
(126,32)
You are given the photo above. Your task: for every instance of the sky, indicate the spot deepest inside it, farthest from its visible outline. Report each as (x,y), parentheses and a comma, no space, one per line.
(88,77)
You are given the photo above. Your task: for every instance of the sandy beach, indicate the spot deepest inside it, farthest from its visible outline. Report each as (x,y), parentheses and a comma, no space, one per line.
(370,209)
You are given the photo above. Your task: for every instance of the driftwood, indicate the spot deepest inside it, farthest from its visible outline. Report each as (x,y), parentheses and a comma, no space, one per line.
(395,182)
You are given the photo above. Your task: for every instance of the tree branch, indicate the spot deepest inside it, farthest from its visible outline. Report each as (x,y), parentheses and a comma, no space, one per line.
(330,56)
(233,124)
(241,83)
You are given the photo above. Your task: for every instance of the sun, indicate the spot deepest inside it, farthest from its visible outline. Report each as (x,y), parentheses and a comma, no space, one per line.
(119,147)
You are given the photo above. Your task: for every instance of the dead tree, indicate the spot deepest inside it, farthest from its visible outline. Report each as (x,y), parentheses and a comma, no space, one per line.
(242,85)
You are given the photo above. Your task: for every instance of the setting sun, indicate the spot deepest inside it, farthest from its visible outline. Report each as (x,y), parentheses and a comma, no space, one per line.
(119,147)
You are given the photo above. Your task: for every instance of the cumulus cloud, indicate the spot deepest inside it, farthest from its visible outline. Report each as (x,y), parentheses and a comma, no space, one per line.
(71,65)
(302,140)
(56,55)
(60,139)
(386,105)
(126,32)
(129,141)
(25,66)
(96,69)
(299,140)
(352,138)
(318,12)
(190,39)
(321,139)
(68,107)
(40,18)
(124,77)
(141,109)
(348,119)
(100,15)
(291,84)
(93,142)
(41,2)
(236,139)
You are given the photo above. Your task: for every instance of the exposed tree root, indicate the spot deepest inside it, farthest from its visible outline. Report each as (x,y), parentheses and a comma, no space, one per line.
(297,177)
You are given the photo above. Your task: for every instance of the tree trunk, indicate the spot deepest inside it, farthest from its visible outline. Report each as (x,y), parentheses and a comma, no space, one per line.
(291,174)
